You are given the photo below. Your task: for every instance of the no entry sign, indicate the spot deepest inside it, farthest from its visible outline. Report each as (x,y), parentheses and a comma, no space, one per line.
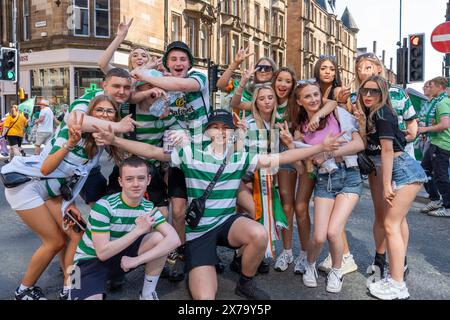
(440,38)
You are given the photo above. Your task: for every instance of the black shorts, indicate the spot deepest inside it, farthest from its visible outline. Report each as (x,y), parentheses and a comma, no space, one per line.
(176,183)
(14,140)
(156,190)
(202,251)
(93,274)
(94,187)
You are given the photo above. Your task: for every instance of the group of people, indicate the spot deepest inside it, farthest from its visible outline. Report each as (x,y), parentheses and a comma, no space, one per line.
(238,173)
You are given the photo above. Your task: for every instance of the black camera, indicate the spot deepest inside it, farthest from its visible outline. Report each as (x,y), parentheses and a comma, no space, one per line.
(67,188)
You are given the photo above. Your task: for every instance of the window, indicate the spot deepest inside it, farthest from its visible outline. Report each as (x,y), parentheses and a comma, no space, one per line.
(81,17)
(204,42)
(102,18)
(245,63)
(235,45)
(176,27)
(266,51)
(280,59)
(26,20)
(320,48)
(234,7)
(192,35)
(266,20)
(246,13)
(227,49)
(256,51)
(257,15)
(281,26)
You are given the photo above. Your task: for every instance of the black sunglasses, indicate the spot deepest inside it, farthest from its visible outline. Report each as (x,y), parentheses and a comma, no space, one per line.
(370,91)
(263,68)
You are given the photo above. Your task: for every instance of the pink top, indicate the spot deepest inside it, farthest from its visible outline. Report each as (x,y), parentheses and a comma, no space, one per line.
(317,136)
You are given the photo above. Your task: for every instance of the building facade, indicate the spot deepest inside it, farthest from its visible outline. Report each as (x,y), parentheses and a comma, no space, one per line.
(315,31)
(61,41)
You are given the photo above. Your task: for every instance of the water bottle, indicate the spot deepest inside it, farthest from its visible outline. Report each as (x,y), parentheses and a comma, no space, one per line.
(158,107)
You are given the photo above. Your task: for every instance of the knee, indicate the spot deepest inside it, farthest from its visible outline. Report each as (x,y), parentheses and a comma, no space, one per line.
(391,229)
(334,235)
(258,236)
(203,295)
(320,239)
(157,237)
(55,244)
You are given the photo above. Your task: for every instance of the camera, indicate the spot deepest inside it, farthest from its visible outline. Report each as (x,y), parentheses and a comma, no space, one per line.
(67,188)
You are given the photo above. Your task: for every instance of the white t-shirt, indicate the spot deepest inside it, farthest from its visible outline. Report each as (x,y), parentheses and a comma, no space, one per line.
(47,124)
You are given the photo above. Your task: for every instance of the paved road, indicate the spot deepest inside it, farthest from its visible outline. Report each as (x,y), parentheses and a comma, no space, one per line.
(428,257)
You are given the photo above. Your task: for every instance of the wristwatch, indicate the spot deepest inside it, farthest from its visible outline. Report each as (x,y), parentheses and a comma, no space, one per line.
(65,145)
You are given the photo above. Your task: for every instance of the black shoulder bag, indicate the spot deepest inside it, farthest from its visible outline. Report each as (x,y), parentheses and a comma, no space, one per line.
(196,208)
(365,164)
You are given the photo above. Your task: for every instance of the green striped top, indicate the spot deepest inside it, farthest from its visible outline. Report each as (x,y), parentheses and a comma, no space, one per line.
(199,167)
(112,215)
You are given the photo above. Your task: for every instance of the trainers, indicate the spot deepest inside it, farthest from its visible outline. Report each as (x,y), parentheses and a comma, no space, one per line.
(283,261)
(236,264)
(326,264)
(250,291)
(432,205)
(23,153)
(334,281)
(152,296)
(299,264)
(177,271)
(32,293)
(64,295)
(264,267)
(310,275)
(165,272)
(441,212)
(172,257)
(348,264)
(378,271)
(385,289)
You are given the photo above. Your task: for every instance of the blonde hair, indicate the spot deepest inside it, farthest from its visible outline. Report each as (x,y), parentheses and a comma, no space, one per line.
(130,66)
(370,57)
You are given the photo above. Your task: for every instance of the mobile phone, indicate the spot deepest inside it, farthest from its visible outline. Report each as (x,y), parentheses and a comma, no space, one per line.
(80,225)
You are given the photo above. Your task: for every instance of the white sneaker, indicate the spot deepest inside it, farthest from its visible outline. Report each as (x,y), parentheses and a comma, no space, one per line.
(283,261)
(299,264)
(334,281)
(348,264)
(325,265)
(310,276)
(152,296)
(441,212)
(385,289)
(432,205)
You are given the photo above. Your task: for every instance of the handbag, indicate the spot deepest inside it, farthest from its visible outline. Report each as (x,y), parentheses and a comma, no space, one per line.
(196,208)
(14,179)
(366,165)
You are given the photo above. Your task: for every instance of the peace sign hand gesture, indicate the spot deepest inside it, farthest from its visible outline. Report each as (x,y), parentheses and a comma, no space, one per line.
(247,74)
(74,129)
(285,135)
(122,29)
(241,125)
(242,54)
(103,137)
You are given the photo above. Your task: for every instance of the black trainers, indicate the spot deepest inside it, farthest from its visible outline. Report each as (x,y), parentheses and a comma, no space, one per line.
(250,291)
(165,272)
(116,284)
(236,264)
(264,267)
(32,293)
(176,273)
(64,295)
(23,153)
(405,272)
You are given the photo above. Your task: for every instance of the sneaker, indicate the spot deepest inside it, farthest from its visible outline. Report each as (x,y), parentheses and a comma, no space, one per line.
(264,267)
(432,205)
(334,281)
(116,284)
(325,265)
(32,293)
(64,295)
(378,270)
(236,264)
(299,264)
(165,272)
(441,212)
(23,153)
(177,271)
(283,261)
(385,289)
(152,296)
(250,291)
(348,264)
(172,257)
(310,275)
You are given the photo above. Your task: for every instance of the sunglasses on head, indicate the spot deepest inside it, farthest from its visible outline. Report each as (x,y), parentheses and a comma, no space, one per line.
(306,82)
(368,55)
(263,85)
(370,91)
(326,56)
(263,68)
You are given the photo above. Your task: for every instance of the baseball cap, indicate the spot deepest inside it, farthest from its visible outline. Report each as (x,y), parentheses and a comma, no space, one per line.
(223,116)
(180,45)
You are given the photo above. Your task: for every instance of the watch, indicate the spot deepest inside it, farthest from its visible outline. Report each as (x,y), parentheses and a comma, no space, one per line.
(65,145)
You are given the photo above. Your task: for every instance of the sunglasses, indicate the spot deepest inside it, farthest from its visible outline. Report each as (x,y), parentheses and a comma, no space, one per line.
(370,91)
(368,55)
(263,85)
(263,68)
(306,82)
(326,56)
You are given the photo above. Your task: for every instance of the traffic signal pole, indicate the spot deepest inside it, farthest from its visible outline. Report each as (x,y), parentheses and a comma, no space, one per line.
(16,45)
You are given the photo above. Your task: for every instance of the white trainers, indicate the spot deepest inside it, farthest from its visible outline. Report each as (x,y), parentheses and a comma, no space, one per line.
(334,281)
(348,264)
(386,289)
(283,261)
(441,212)
(299,264)
(310,276)
(152,296)
(432,205)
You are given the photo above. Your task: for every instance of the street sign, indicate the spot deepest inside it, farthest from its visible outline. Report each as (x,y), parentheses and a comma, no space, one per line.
(440,37)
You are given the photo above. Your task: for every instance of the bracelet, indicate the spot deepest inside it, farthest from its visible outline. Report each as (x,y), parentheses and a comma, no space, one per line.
(65,145)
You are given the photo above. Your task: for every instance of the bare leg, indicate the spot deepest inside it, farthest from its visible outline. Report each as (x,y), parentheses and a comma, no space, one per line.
(203,283)
(287,180)
(379,204)
(322,213)
(178,212)
(304,193)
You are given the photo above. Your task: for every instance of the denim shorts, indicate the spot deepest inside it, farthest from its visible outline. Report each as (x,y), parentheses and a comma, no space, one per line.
(406,171)
(287,166)
(343,180)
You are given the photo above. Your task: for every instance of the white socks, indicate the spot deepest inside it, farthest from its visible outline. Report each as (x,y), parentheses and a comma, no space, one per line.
(23,288)
(150,283)
(288,252)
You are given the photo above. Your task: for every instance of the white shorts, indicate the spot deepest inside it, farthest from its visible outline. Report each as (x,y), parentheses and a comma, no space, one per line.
(42,138)
(27,196)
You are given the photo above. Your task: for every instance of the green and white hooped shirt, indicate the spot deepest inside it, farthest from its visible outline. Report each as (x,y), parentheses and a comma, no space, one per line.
(112,215)
(256,141)
(199,167)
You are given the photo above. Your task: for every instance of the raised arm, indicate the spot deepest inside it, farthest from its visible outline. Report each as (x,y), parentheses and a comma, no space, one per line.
(168,83)
(241,55)
(122,31)
(126,124)
(236,100)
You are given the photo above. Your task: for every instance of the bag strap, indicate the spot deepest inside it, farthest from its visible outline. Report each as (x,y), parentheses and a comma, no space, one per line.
(214,180)
(9,128)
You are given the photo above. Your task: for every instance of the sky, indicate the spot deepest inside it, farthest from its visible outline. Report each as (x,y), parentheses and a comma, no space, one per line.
(379,20)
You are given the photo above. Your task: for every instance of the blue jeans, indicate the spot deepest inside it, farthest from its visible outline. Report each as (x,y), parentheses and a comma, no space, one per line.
(435,162)
(406,171)
(343,180)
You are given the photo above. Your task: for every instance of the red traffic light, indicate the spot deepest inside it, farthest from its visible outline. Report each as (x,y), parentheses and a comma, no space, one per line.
(415,40)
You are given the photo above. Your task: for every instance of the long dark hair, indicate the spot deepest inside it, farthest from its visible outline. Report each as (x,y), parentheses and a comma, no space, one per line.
(336,81)
(301,117)
(291,100)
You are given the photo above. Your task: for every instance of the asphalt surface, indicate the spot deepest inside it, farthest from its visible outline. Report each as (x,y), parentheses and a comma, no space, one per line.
(428,258)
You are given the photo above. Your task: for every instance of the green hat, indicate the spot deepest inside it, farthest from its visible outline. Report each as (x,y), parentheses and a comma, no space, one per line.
(180,45)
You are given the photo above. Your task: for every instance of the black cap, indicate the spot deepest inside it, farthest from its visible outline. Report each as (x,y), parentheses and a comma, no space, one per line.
(223,116)
(180,45)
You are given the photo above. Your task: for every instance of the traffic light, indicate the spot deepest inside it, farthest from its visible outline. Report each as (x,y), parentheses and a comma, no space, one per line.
(416,58)
(8,64)
(213,77)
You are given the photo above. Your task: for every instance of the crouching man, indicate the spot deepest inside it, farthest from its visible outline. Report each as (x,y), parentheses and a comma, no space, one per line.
(124,231)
